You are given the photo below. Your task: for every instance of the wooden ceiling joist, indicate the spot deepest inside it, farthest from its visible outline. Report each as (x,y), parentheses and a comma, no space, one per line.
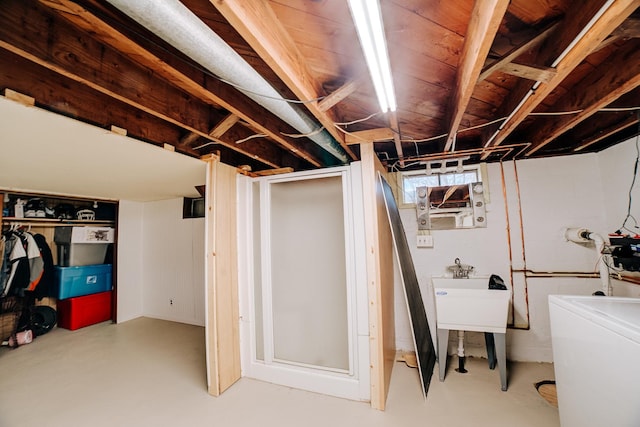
(226,124)
(530,72)
(566,48)
(517,51)
(258,24)
(216,132)
(631,121)
(227,98)
(629,29)
(338,95)
(621,71)
(141,103)
(486,17)
(371,135)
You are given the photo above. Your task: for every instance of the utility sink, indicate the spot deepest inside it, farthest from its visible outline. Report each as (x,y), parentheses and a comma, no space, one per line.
(468,305)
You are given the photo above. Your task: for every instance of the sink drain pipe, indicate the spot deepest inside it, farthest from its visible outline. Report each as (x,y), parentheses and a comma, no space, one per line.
(461,353)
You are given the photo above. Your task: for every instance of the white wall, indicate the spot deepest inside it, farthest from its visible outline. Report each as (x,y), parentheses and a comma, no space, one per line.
(172,263)
(573,191)
(129,260)
(616,173)
(160,262)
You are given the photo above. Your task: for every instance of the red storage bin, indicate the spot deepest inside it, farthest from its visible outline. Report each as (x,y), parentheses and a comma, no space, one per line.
(78,312)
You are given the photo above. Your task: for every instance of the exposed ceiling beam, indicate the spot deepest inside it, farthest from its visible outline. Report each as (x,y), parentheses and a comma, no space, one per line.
(486,17)
(138,100)
(370,135)
(226,97)
(629,29)
(258,24)
(565,49)
(517,51)
(530,72)
(216,132)
(619,74)
(338,95)
(630,121)
(224,125)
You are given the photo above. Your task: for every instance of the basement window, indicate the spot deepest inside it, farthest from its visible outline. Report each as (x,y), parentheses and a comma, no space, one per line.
(436,177)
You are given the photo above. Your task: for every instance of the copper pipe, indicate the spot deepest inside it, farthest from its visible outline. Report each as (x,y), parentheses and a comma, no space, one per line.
(524,257)
(534,274)
(454,154)
(506,212)
(628,279)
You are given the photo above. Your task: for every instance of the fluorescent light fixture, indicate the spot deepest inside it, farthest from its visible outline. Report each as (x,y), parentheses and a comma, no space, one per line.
(368,20)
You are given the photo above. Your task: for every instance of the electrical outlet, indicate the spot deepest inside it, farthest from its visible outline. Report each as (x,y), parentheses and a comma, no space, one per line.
(424,241)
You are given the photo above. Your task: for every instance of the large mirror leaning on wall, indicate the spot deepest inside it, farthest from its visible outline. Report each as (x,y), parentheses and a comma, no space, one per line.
(451,206)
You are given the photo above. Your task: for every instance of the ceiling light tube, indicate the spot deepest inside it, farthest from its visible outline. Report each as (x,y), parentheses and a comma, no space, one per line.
(367,18)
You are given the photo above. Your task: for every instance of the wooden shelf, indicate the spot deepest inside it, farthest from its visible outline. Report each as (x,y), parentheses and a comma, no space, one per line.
(53,222)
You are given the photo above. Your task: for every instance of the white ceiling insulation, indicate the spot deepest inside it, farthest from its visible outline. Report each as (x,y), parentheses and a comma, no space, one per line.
(45,152)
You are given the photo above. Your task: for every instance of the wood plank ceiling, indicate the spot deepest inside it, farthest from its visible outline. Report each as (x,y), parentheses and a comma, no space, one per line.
(487,78)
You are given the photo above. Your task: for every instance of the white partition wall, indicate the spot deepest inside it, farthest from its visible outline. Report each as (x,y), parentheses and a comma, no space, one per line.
(304,306)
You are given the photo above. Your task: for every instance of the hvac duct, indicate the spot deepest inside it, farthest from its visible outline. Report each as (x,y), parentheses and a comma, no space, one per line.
(178,26)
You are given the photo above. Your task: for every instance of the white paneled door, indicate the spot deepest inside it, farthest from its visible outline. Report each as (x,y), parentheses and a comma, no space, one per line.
(303,328)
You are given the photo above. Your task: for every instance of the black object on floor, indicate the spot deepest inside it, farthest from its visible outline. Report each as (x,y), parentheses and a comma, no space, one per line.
(425,348)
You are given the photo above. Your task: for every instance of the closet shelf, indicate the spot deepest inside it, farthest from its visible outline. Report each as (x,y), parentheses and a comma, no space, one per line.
(53,222)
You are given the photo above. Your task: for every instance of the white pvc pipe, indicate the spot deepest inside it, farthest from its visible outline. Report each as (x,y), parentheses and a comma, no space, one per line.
(603,268)
(460,343)
(178,26)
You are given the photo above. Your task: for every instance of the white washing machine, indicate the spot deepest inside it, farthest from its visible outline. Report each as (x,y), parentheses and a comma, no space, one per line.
(596,355)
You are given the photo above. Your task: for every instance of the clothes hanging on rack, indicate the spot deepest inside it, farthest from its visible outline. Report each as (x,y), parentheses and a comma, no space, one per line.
(22,264)
(18,266)
(46,286)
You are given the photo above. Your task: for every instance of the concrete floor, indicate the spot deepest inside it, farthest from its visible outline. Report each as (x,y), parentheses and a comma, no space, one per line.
(148,372)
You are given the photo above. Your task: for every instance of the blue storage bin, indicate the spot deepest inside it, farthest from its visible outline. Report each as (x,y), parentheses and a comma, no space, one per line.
(82,280)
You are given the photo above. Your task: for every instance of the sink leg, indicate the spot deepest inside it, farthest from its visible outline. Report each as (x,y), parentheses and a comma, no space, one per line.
(491,349)
(443,344)
(501,354)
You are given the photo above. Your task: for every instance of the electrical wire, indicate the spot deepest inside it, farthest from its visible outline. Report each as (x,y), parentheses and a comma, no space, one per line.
(245,90)
(353,122)
(483,125)
(433,138)
(608,110)
(602,110)
(556,113)
(257,135)
(351,134)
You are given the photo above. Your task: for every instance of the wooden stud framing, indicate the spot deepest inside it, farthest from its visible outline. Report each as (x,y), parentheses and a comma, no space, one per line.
(222,323)
(380,279)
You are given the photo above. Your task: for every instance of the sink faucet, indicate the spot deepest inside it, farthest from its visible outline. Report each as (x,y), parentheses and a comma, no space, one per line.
(459,270)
